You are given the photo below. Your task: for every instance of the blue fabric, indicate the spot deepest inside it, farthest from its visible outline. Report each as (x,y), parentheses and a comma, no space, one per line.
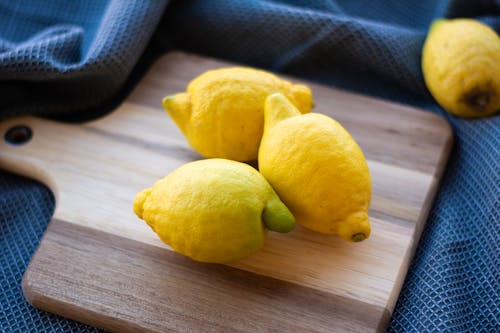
(74,60)
(69,59)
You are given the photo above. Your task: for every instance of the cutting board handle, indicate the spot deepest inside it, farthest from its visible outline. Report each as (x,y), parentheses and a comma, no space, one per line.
(24,149)
(95,169)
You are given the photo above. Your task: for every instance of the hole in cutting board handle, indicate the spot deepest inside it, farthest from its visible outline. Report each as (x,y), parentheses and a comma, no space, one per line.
(18,135)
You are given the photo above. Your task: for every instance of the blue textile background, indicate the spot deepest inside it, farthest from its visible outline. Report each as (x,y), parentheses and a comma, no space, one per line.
(75,60)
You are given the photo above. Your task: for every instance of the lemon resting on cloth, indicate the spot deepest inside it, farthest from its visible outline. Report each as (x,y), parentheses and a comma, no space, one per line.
(461,67)
(317,169)
(221,112)
(213,210)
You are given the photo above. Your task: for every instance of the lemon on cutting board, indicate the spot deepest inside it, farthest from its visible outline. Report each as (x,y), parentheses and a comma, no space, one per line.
(317,169)
(213,210)
(461,67)
(221,113)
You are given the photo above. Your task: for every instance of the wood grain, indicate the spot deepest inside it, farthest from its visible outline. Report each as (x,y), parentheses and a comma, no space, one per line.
(95,169)
(158,291)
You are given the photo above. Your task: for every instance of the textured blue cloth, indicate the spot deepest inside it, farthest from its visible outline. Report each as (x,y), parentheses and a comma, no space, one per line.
(74,60)
(68,59)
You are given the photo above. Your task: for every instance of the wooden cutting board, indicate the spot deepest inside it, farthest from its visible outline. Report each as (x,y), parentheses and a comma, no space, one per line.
(99,264)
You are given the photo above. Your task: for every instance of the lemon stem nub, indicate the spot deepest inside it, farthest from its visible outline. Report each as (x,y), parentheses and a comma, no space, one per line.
(478,100)
(358,237)
(139,200)
(276,108)
(178,106)
(277,217)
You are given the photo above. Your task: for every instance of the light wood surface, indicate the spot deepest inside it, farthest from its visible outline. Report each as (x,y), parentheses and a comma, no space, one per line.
(99,264)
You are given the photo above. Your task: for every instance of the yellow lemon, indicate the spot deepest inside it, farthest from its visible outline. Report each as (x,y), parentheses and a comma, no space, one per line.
(221,113)
(317,169)
(461,67)
(213,210)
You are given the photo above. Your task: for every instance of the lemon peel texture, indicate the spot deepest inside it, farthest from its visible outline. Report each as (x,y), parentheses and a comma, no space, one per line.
(317,169)
(461,67)
(213,210)
(221,112)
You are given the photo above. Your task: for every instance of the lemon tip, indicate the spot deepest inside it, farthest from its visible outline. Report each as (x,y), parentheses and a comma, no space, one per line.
(358,237)
(277,217)
(167,100)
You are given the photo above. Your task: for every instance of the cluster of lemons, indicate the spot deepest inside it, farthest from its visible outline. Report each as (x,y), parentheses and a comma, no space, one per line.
(310,170)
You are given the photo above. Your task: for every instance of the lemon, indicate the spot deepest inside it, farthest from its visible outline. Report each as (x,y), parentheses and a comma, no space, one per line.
(213,210)
(461,67)
(221,113)
(317,169)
